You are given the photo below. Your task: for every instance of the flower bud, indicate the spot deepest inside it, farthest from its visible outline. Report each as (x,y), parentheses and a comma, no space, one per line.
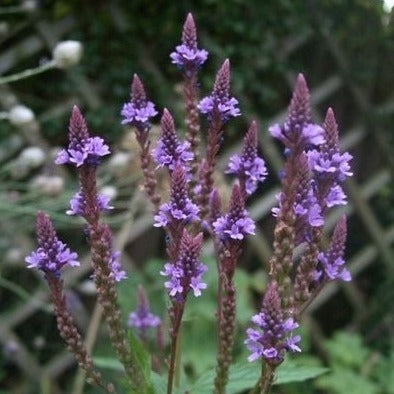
(20,115)
(67,53)
(32,157)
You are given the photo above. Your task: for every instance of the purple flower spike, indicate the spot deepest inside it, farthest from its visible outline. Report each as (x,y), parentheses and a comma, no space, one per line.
(187,56)
(138,110)
(77,204)
(332,260)
(329,166)
(169,150)
(180,208)
(51,254)
(236,223)
(220,103)
(82,148)
(186,274)
(142,318)
(272,338)
(248,166)
(298,131)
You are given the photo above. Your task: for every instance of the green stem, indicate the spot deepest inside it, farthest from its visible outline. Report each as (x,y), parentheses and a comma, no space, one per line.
(28,73)
(264,384)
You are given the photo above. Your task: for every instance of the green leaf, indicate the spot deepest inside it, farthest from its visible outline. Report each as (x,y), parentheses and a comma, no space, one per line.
(142,359)
(108,363)
(243,376)
(347,382)
(347,349)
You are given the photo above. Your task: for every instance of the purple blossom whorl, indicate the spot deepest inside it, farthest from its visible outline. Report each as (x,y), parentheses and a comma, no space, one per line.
(180,208)
(248,166)
(138,111)
(51,254)
(142,318)
(186,273)
(298,132)
(332,261)
(272,338)
(219,103)
(78,203)
(169,150)
(236,223)
(82,148)
(330,167)
(187,56)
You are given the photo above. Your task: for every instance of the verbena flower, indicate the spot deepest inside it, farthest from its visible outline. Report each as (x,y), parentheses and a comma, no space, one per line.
(82,148)
(180,208)
(298,131)
(187,56)
(169,150)
(330,167)
(272,338)
(249,167)
(138,110)
(77,204)
(142,318)
(186,273)
(332,261)
(236,223)
(220,102)
(51,254)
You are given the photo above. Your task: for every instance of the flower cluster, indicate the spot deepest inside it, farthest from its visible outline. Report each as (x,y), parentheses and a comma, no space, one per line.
(332,262)
(236,223)
(219,103)
(82,148)
(142,318)
(180,208)
(249,167)
(298,131)
(329,167)
(187,56)
(169,150)
(186,273)
(138,110)
(51,254)
(273,337)
(77,204)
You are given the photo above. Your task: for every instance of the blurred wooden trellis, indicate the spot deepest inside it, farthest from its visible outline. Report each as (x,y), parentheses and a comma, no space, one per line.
(45,36)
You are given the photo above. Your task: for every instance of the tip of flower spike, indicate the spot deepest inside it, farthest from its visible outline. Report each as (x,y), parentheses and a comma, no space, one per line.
(189,33)
(237,200)
(167,123)
(250,140)
(330,127)
(137,90)
(222,81)
(78,128)
(299,109)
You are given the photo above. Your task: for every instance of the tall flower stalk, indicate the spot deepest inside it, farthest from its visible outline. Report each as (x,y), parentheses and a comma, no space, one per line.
(85,152)
(50,257)
(311,184)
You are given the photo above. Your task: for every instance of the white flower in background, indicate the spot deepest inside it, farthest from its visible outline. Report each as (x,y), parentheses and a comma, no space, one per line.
(20,115)
(109,191)
(67,53)
(49,185)
(119,161)
(29,5)
(32,157)
(88,287)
